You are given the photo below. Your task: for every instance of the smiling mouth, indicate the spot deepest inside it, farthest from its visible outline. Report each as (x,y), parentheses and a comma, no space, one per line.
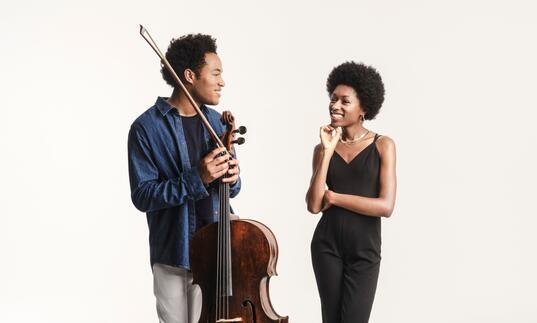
(336,115)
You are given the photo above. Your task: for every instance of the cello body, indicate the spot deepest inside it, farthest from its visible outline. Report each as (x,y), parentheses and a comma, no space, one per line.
(254,253)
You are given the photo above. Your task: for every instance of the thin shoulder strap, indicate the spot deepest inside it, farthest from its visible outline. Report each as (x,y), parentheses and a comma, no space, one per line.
(377,136)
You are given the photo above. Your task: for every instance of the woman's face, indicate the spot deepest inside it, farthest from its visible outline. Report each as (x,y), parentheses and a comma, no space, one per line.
(345,109)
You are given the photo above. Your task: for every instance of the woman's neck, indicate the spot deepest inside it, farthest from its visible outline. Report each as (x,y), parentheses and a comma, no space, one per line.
(353,131)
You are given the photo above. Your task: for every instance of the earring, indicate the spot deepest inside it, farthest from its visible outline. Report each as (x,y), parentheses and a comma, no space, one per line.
(362,117)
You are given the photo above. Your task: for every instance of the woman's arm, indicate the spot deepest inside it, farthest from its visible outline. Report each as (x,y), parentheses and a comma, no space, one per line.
(321,159)
(382,205)
(315,194)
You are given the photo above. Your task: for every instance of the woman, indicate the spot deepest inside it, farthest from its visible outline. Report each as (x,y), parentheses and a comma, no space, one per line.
(358,167)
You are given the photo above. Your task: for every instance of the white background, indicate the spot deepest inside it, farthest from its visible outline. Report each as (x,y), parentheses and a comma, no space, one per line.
(459,76)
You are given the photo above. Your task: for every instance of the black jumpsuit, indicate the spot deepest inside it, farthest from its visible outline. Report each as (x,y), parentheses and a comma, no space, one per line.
(345,248)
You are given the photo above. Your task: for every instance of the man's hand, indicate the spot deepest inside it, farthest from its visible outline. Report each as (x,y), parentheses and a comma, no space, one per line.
(233,172)
(212,167)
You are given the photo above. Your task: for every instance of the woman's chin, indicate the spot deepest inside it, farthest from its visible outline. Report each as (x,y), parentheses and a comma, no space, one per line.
(336,123)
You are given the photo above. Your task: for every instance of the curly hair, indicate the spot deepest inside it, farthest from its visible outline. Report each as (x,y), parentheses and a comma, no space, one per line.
(365,80)
(187,52)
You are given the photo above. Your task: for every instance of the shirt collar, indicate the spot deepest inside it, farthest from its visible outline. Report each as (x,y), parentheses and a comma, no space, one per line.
(164,107)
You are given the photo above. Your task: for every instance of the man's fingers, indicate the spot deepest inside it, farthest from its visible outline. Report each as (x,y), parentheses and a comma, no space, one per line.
(218,168)
(231,179)
(213,153)
(217,161)
(233,171)
(233,162)
(219,173)
(220,160)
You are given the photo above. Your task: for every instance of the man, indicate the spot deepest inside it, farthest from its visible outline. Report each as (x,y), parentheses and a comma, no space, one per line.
(173,169)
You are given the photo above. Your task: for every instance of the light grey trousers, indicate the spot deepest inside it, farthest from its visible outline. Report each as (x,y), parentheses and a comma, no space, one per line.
(178,301)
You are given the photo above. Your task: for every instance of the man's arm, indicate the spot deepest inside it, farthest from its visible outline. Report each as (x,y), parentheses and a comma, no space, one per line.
(148,192)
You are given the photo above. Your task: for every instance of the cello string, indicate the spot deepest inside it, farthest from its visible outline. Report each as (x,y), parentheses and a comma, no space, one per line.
(222,219)
(228,224)
(222,251)
(225,252)
(217,275)
(228,248)
(219,252)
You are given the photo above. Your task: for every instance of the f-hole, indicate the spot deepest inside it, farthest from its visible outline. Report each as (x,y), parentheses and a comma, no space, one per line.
(252,309)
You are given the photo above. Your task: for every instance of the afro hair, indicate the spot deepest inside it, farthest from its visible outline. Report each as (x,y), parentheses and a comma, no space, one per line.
(365,80)
(187,52)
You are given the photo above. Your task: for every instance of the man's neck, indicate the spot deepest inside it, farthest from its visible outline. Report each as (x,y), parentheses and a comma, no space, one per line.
(180,102)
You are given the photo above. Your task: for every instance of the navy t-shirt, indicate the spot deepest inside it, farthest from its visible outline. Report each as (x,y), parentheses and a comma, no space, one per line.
(193,129)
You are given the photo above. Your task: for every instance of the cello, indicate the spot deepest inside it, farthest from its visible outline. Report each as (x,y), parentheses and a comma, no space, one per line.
(231,260)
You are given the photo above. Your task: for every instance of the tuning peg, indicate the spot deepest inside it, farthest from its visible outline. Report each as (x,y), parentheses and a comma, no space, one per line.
(241,130)
(239,141)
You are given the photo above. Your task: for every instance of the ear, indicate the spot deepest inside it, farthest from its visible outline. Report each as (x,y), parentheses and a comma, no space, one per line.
(361,109)
(189,75)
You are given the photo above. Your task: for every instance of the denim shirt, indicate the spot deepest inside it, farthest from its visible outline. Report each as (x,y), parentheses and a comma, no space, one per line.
(165,185)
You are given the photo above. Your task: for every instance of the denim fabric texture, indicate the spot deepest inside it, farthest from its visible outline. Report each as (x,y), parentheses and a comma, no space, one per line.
(163,183)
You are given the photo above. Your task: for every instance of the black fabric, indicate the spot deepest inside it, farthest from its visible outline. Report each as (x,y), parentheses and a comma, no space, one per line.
(194,137)
(345,248)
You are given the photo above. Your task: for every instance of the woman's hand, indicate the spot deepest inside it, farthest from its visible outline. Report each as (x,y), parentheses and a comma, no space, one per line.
(329,139)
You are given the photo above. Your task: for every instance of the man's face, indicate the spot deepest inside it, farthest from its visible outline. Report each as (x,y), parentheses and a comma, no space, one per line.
(208,85)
